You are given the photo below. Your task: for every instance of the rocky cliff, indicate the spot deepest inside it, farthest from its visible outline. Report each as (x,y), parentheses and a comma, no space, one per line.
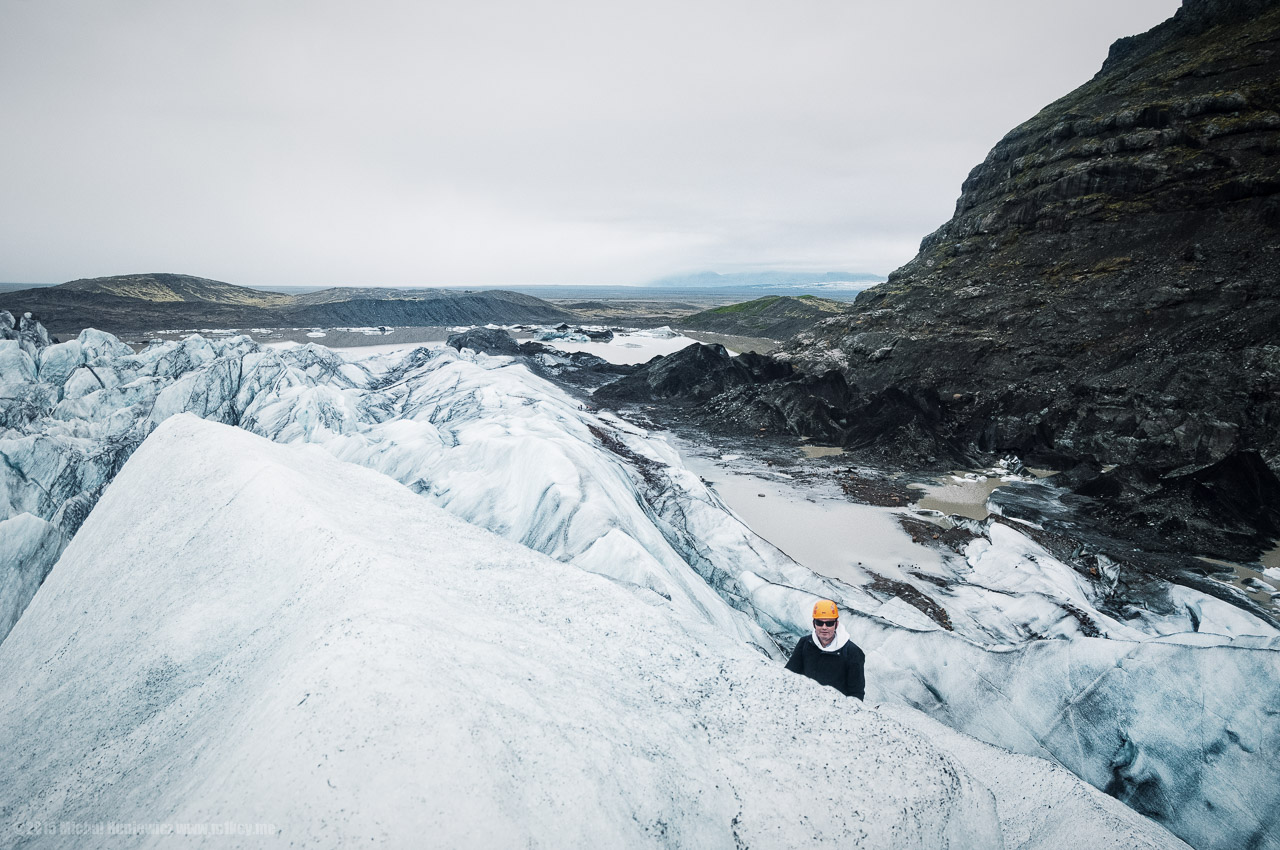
(1107,288)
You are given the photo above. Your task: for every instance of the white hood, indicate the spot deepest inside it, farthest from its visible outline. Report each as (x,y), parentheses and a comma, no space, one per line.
(841,638)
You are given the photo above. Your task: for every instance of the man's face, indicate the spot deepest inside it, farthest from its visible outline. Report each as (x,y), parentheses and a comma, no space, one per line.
(826,630)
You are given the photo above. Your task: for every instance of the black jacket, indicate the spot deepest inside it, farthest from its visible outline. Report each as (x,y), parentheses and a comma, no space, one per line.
(841,669)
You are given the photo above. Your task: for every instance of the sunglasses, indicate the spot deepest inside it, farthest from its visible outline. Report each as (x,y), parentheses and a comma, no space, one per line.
(826,624)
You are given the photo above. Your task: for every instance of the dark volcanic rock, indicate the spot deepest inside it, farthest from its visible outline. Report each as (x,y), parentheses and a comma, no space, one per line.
(578,368)
(1231,506)
(1106,289)
(574,367)
(904,426)
(890,426)
(486,340)
(765,368)
(758,394)
(694,373)
(801,404)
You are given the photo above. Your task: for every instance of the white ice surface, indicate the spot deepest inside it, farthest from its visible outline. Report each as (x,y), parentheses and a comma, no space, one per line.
(31,547)
(1183,727)
(1079,815)
(16,365)
(1215,616)
(1011,562)
(250,633)
(496,446)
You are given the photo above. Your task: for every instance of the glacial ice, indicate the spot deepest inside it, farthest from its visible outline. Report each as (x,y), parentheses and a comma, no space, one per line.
(31,547)
(16,365)
(492,444)
(664,332)
(28,333)
(1080,815)
(1183,728)
(553,334)
(263,648)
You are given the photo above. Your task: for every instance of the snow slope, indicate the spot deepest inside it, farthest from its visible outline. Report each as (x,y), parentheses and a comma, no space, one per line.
(251,633)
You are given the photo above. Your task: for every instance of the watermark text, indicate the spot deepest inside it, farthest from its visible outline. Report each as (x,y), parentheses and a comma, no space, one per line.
(142,828)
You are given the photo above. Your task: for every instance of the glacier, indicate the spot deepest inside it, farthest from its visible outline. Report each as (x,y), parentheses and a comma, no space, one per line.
(1022,659)
(235,636)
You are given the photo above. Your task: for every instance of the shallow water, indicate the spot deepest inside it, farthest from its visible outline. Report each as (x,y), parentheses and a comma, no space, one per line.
(1256,585)
(966,497)
(813,522)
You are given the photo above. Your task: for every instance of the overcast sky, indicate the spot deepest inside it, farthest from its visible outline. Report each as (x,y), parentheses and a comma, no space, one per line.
(484,142)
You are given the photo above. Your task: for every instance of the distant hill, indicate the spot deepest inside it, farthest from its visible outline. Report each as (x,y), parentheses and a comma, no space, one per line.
(132,304)
(773,317)
(167,288)
(334,294)
(713,280)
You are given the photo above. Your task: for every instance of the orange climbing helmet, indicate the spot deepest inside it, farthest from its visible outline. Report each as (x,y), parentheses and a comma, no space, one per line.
(825,609)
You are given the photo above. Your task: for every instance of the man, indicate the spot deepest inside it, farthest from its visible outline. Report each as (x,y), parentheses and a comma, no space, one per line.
(827,656)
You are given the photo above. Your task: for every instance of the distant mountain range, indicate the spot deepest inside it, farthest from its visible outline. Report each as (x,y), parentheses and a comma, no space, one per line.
(130,304)
(714,280)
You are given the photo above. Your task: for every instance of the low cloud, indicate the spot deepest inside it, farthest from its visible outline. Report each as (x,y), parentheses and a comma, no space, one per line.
(402,143)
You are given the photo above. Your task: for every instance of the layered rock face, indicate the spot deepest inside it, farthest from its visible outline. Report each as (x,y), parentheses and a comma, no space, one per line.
(1107,286)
